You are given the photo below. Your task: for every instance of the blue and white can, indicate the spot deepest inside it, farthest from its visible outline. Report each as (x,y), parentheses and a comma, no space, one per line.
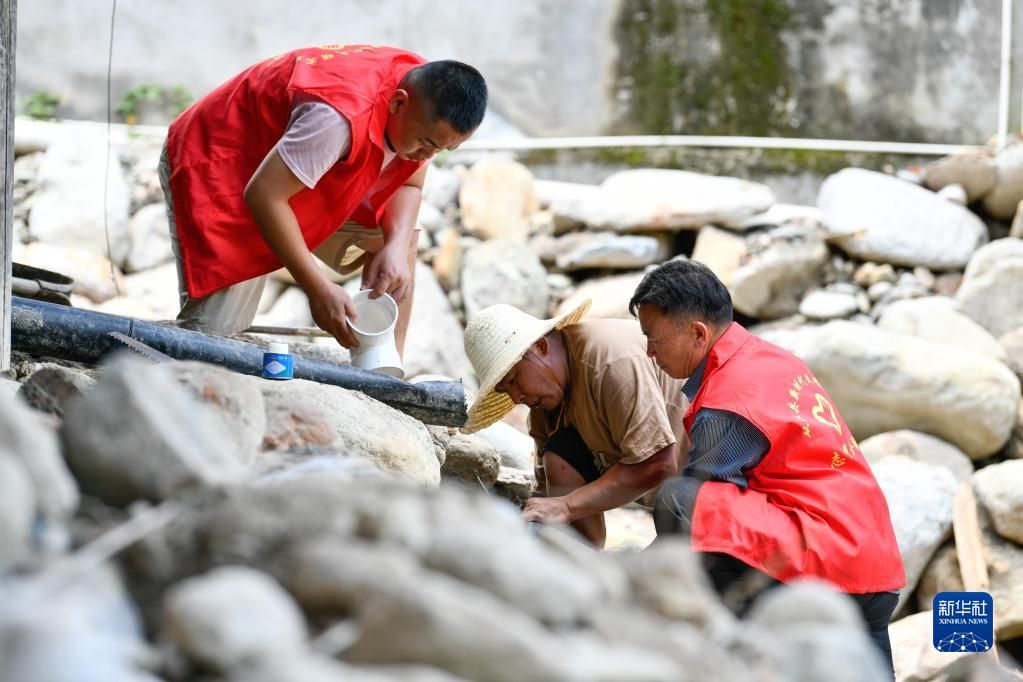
(278,363)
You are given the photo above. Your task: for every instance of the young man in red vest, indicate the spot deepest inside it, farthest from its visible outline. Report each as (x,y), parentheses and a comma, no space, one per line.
(321,150)
(775,487)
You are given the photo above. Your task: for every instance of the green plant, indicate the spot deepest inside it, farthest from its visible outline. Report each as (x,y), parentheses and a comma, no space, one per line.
(41,105)
(178,98)
(175,99)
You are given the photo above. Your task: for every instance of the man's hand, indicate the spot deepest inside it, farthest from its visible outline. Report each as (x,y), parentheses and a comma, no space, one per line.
(547,510)
(267,195)
(331,306)
(388,273)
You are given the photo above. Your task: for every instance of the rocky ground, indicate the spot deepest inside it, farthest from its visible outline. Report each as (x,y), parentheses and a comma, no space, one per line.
(181,522)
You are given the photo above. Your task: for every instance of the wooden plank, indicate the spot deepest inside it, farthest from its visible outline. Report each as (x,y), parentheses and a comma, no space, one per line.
(970,545)
(8,34)
(286,331)
(969,541)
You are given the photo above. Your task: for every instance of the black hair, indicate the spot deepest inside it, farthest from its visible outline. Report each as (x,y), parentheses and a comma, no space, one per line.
(685,289)
(454,92)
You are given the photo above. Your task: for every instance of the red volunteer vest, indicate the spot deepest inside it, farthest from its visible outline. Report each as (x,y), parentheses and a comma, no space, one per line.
(813,507)
(216,145)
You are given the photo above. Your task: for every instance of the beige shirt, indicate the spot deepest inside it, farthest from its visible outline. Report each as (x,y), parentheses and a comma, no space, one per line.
(621,403)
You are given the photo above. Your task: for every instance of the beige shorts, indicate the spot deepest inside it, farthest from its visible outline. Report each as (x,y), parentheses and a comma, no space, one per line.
(233,308)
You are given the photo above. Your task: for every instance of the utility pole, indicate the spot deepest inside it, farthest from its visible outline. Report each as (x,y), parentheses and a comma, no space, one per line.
(8,35)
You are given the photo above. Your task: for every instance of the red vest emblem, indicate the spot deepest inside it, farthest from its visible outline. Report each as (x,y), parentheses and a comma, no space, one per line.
(813,507)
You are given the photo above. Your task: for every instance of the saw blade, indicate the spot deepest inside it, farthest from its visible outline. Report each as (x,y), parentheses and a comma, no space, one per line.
(141,348)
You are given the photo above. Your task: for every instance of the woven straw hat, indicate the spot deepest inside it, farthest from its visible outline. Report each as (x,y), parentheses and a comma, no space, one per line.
(495,339)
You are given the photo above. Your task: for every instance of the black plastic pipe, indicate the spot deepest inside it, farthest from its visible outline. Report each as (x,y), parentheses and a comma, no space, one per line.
(82,335)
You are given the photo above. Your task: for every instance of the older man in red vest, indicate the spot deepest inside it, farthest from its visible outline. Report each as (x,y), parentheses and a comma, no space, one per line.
(775,487)
(320,150)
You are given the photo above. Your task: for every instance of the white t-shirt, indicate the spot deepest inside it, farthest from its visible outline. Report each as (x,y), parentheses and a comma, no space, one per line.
(317,137)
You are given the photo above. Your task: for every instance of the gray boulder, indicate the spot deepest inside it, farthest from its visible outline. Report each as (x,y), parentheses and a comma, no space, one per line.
(879,217)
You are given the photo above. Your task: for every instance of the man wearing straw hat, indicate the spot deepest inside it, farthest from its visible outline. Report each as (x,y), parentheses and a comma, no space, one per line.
(775,487)
(606,421)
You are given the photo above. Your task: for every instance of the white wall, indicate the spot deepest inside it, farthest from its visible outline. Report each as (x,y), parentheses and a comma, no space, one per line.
(546,61)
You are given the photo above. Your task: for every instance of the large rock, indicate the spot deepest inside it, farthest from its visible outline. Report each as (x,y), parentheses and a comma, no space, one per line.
(610,296)
(441,187)
(434,341)
(311,667)
(156,289)
(85,630)
(345,575)
(569,203)
(34,448)
(582,250)
(723,251)
(504,271)
(150,238)
(814,633)
(139,435)
(919,446)
(234,399)
(140,156)
(990,292)
(315,463)
(367,427)
(975,172)
(441,622)
(781,266)
(149,295)
(53,389)
(256,526)
(668,579)
(628,529)
(518,484)
(68,206)
(829,304)
(879,217)
(232,616)
(657,199)
(430,218)
(516,568)
(778,215)
(497,199)
(291,309)
(94,278)
(882,381)
(920,502)
(514,447)
(999,488)
(473,459)
(937,319)
(1004,197)
(447,258)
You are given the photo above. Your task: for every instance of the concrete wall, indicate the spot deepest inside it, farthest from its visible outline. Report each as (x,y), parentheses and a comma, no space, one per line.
(531,51)
(911,70)
(914,70)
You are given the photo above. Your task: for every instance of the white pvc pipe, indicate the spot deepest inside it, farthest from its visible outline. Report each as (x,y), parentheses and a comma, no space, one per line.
(1006,66)
(536,143)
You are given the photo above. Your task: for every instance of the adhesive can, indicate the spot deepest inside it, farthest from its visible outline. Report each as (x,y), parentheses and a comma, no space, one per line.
(278,363)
